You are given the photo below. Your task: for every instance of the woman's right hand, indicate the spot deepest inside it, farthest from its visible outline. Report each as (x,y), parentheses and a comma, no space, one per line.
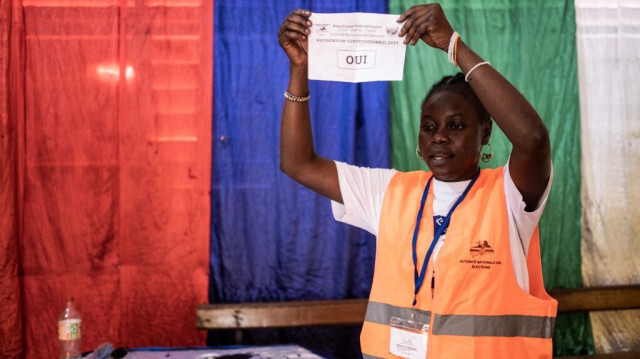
(293,36)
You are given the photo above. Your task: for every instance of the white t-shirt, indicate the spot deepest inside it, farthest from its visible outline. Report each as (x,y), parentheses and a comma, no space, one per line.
(363,190)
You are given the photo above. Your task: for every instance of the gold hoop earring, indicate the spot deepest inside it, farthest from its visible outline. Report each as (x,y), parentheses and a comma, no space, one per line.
(418,153)
(486,157)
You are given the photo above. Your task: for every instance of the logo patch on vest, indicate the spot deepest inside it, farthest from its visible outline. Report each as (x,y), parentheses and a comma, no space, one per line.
(481,249)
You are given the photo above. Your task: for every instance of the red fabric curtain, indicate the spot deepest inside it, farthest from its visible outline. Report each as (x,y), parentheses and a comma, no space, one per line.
(105,170)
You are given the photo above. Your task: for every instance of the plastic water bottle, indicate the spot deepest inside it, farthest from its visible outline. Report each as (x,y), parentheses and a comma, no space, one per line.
(69,333)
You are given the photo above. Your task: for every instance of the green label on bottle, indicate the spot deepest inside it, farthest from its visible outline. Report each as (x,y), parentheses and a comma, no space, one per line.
(69,329)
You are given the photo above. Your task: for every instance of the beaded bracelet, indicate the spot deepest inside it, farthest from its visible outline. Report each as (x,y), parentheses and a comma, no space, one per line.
(455,53)
(293,98)
(453,48)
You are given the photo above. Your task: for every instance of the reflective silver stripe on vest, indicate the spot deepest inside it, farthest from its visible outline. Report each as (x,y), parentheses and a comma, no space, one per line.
(381,313)
(367,356)
(494,325)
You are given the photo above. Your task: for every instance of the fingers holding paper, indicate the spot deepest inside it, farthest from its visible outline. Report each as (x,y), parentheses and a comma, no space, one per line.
(293,36)
(426,22)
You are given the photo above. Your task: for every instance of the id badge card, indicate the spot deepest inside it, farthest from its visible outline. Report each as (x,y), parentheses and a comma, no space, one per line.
(408,338)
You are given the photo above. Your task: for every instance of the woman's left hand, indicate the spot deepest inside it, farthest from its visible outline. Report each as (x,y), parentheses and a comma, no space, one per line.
(426,22)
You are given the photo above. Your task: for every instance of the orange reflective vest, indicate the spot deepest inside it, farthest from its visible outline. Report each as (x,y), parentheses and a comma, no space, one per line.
(476,308)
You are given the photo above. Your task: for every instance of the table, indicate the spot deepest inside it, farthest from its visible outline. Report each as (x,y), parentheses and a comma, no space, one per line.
(265,352)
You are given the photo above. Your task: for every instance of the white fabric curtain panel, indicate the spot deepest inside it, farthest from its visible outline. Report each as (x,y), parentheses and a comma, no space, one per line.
(608,40)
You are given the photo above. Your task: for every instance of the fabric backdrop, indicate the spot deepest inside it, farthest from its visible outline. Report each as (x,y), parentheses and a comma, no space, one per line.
(533,45)
(609,62)
(104,156)
(105,165)
(11,185)
(271,238)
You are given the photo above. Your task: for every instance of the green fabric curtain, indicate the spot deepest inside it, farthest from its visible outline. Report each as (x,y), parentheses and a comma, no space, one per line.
(533,45)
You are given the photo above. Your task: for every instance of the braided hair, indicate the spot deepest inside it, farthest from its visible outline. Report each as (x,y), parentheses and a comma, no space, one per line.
(458,85)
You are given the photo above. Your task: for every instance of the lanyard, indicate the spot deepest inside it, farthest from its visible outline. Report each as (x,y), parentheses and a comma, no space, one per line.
(419,278)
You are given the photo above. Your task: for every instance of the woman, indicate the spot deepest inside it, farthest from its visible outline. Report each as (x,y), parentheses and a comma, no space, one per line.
(484,296)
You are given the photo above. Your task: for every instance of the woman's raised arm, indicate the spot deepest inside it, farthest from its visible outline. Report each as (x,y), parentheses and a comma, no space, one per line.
(530,162)
(297,156)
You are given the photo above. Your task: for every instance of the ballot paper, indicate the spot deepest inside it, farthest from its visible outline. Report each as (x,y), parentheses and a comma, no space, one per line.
(355,47)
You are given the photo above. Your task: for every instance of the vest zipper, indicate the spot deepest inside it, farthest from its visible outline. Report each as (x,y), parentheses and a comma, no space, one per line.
(433,273)
(433,297)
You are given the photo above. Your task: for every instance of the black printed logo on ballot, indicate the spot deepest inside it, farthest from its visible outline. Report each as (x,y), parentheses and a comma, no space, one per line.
(392,30)
(478,250)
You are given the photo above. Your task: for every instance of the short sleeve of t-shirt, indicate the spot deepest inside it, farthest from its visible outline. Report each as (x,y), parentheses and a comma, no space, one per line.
(362,192)
(522,221)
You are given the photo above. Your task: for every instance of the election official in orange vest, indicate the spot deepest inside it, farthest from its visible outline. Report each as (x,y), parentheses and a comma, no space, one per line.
(457,269)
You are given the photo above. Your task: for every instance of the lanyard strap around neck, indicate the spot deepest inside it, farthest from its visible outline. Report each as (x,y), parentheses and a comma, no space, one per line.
(419,278)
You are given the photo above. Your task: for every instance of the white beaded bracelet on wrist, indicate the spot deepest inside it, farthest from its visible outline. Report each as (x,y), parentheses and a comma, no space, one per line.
(452,51)
(466,77)
(298,99)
